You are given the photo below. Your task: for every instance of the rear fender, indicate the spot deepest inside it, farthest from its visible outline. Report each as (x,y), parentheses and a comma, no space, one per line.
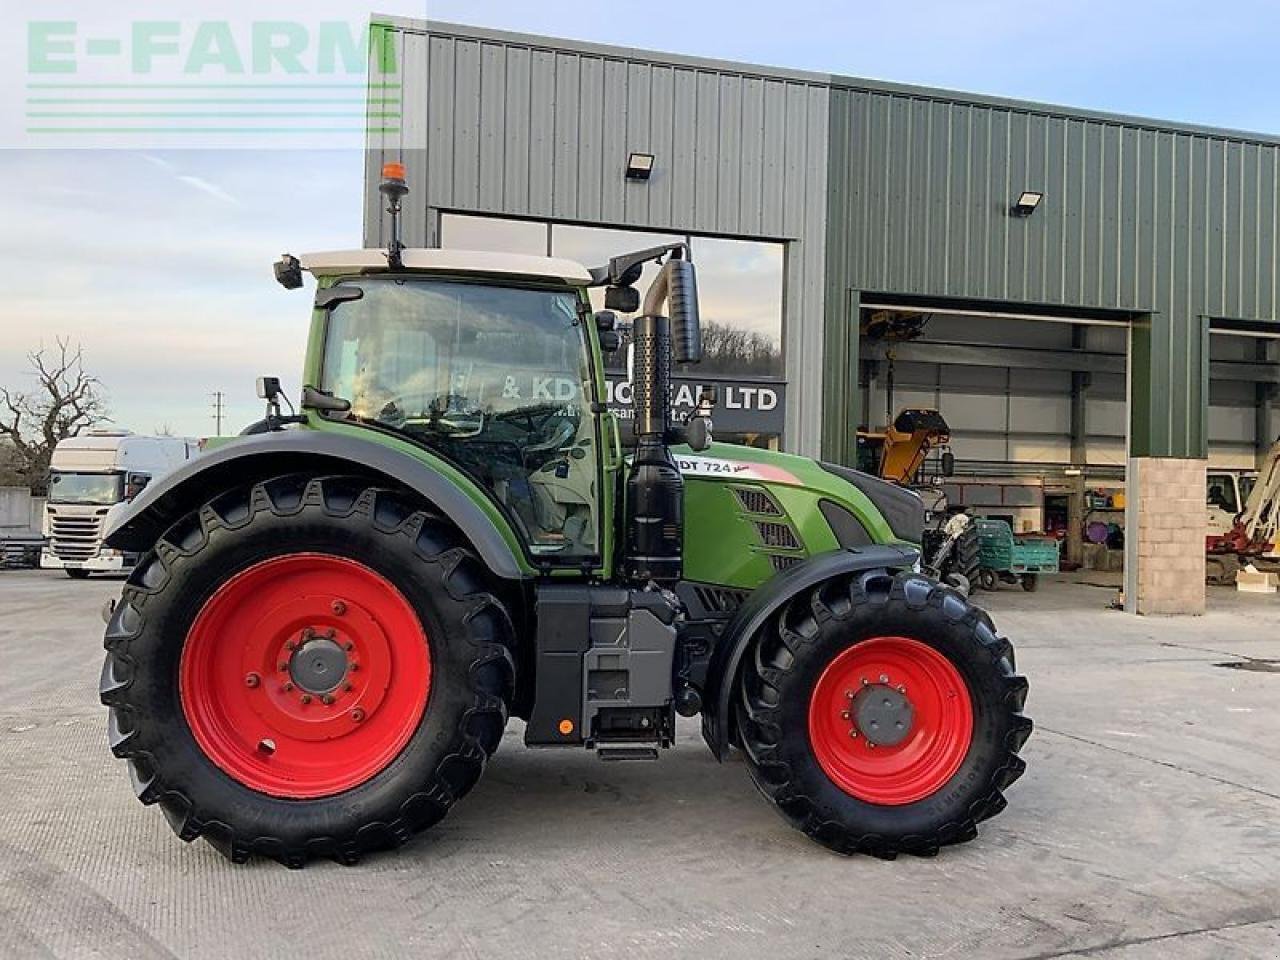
(741,631)
(252,458)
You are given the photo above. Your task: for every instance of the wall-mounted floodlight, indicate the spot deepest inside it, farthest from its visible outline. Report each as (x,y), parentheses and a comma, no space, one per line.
(1028,200)
(639,166)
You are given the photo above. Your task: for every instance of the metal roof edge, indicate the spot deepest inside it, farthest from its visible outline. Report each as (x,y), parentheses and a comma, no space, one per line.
(830,81)
(912,91)
(608,51)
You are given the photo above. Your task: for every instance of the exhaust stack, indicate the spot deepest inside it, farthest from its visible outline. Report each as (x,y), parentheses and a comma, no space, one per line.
(655,488)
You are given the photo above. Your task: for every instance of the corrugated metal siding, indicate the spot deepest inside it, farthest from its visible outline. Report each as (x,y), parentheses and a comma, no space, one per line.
(1178,223)
(519,129)
(1133,218)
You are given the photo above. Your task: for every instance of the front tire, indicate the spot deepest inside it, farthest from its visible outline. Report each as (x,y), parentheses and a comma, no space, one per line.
(881,714)
(308,667)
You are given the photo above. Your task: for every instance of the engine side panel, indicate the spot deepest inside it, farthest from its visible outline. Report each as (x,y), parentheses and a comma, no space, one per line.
(751,514)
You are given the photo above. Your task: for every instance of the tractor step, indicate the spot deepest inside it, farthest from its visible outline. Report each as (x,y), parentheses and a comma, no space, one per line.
(630,751)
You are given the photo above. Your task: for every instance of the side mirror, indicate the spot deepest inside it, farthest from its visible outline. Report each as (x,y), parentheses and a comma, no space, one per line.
(698,434)
(268,388)
(134,484)
(682,298)
(622,299)
(288,270)
(610,340)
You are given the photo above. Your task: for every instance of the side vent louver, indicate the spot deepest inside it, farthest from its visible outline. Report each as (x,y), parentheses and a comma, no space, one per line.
(777,535)
(755,500)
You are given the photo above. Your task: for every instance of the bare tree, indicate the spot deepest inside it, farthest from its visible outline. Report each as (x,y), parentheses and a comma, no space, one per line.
(65,401)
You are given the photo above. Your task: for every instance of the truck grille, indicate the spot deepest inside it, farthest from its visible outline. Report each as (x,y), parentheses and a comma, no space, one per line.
(75,538)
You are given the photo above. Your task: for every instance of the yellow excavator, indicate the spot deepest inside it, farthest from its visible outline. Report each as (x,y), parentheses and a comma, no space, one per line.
(901,454)
(898,453)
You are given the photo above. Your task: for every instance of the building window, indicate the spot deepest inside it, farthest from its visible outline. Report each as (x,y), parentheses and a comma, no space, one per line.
(739,292)
(740,300)
(460,232)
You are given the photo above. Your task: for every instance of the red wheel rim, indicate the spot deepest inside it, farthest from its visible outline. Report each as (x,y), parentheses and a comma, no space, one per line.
(304,675)
(925,702)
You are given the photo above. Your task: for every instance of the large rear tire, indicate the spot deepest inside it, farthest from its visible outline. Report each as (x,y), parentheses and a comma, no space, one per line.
(881,714)
(311,667)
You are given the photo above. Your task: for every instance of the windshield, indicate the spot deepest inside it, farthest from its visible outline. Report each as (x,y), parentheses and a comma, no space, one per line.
(492,377)
(85,487)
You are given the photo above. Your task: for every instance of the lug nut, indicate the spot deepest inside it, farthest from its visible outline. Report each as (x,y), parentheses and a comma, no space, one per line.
(252,680)
(266,746)
(284,665)
(348,646)
(306,698)
(844,714)
(326,699)
(338,607)
(347,687)
(353,666)
(330,633)
(853,733)
(288,687)
(884,678)
(357,714)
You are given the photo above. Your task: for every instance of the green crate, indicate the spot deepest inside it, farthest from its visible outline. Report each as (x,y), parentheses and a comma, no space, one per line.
(1000,550)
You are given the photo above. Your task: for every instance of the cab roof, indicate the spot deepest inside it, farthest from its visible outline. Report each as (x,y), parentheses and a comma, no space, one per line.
(344,262)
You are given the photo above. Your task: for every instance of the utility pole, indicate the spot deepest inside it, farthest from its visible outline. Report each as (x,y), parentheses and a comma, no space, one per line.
(218,406)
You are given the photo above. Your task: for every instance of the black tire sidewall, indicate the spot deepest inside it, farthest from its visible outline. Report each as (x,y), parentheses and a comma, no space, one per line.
(189,581)
(959,643)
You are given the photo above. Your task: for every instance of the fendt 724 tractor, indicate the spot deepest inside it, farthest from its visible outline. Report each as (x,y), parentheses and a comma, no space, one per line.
(336,614)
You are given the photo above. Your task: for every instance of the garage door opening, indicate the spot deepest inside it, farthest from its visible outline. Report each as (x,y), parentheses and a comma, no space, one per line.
(1035,405)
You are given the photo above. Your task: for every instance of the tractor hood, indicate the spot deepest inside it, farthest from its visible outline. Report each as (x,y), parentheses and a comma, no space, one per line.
(750,513)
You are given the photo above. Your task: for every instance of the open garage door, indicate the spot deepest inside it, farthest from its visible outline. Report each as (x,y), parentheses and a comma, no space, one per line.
(1244,416)
(1035,402)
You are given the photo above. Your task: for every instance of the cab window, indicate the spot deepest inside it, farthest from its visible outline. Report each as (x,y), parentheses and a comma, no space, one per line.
(496,379)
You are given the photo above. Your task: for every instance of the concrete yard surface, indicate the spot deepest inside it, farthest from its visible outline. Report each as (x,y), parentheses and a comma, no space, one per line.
(1147,825)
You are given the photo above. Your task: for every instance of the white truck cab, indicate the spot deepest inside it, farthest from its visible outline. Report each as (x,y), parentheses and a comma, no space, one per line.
(90,476)
(1226,492)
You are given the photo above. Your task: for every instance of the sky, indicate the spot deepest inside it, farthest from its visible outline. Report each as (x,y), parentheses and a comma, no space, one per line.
(158,261)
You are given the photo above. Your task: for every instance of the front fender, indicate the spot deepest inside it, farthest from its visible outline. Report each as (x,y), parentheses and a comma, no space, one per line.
(252,458)
(738,634)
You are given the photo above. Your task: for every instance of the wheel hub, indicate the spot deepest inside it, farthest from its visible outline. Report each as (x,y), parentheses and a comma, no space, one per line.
(890,720)
(305,675)
(319,665)
(883,715)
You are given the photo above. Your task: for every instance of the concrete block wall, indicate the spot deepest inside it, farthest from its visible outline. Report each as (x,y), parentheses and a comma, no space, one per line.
(1169,533)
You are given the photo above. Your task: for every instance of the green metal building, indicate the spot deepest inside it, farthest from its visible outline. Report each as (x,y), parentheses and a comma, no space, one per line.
(1126,313)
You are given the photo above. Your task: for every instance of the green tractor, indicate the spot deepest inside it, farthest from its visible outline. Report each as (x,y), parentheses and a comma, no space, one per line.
(337,613)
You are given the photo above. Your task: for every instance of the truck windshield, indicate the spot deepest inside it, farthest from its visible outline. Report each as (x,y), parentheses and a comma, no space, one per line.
(104,488)
(494,378)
